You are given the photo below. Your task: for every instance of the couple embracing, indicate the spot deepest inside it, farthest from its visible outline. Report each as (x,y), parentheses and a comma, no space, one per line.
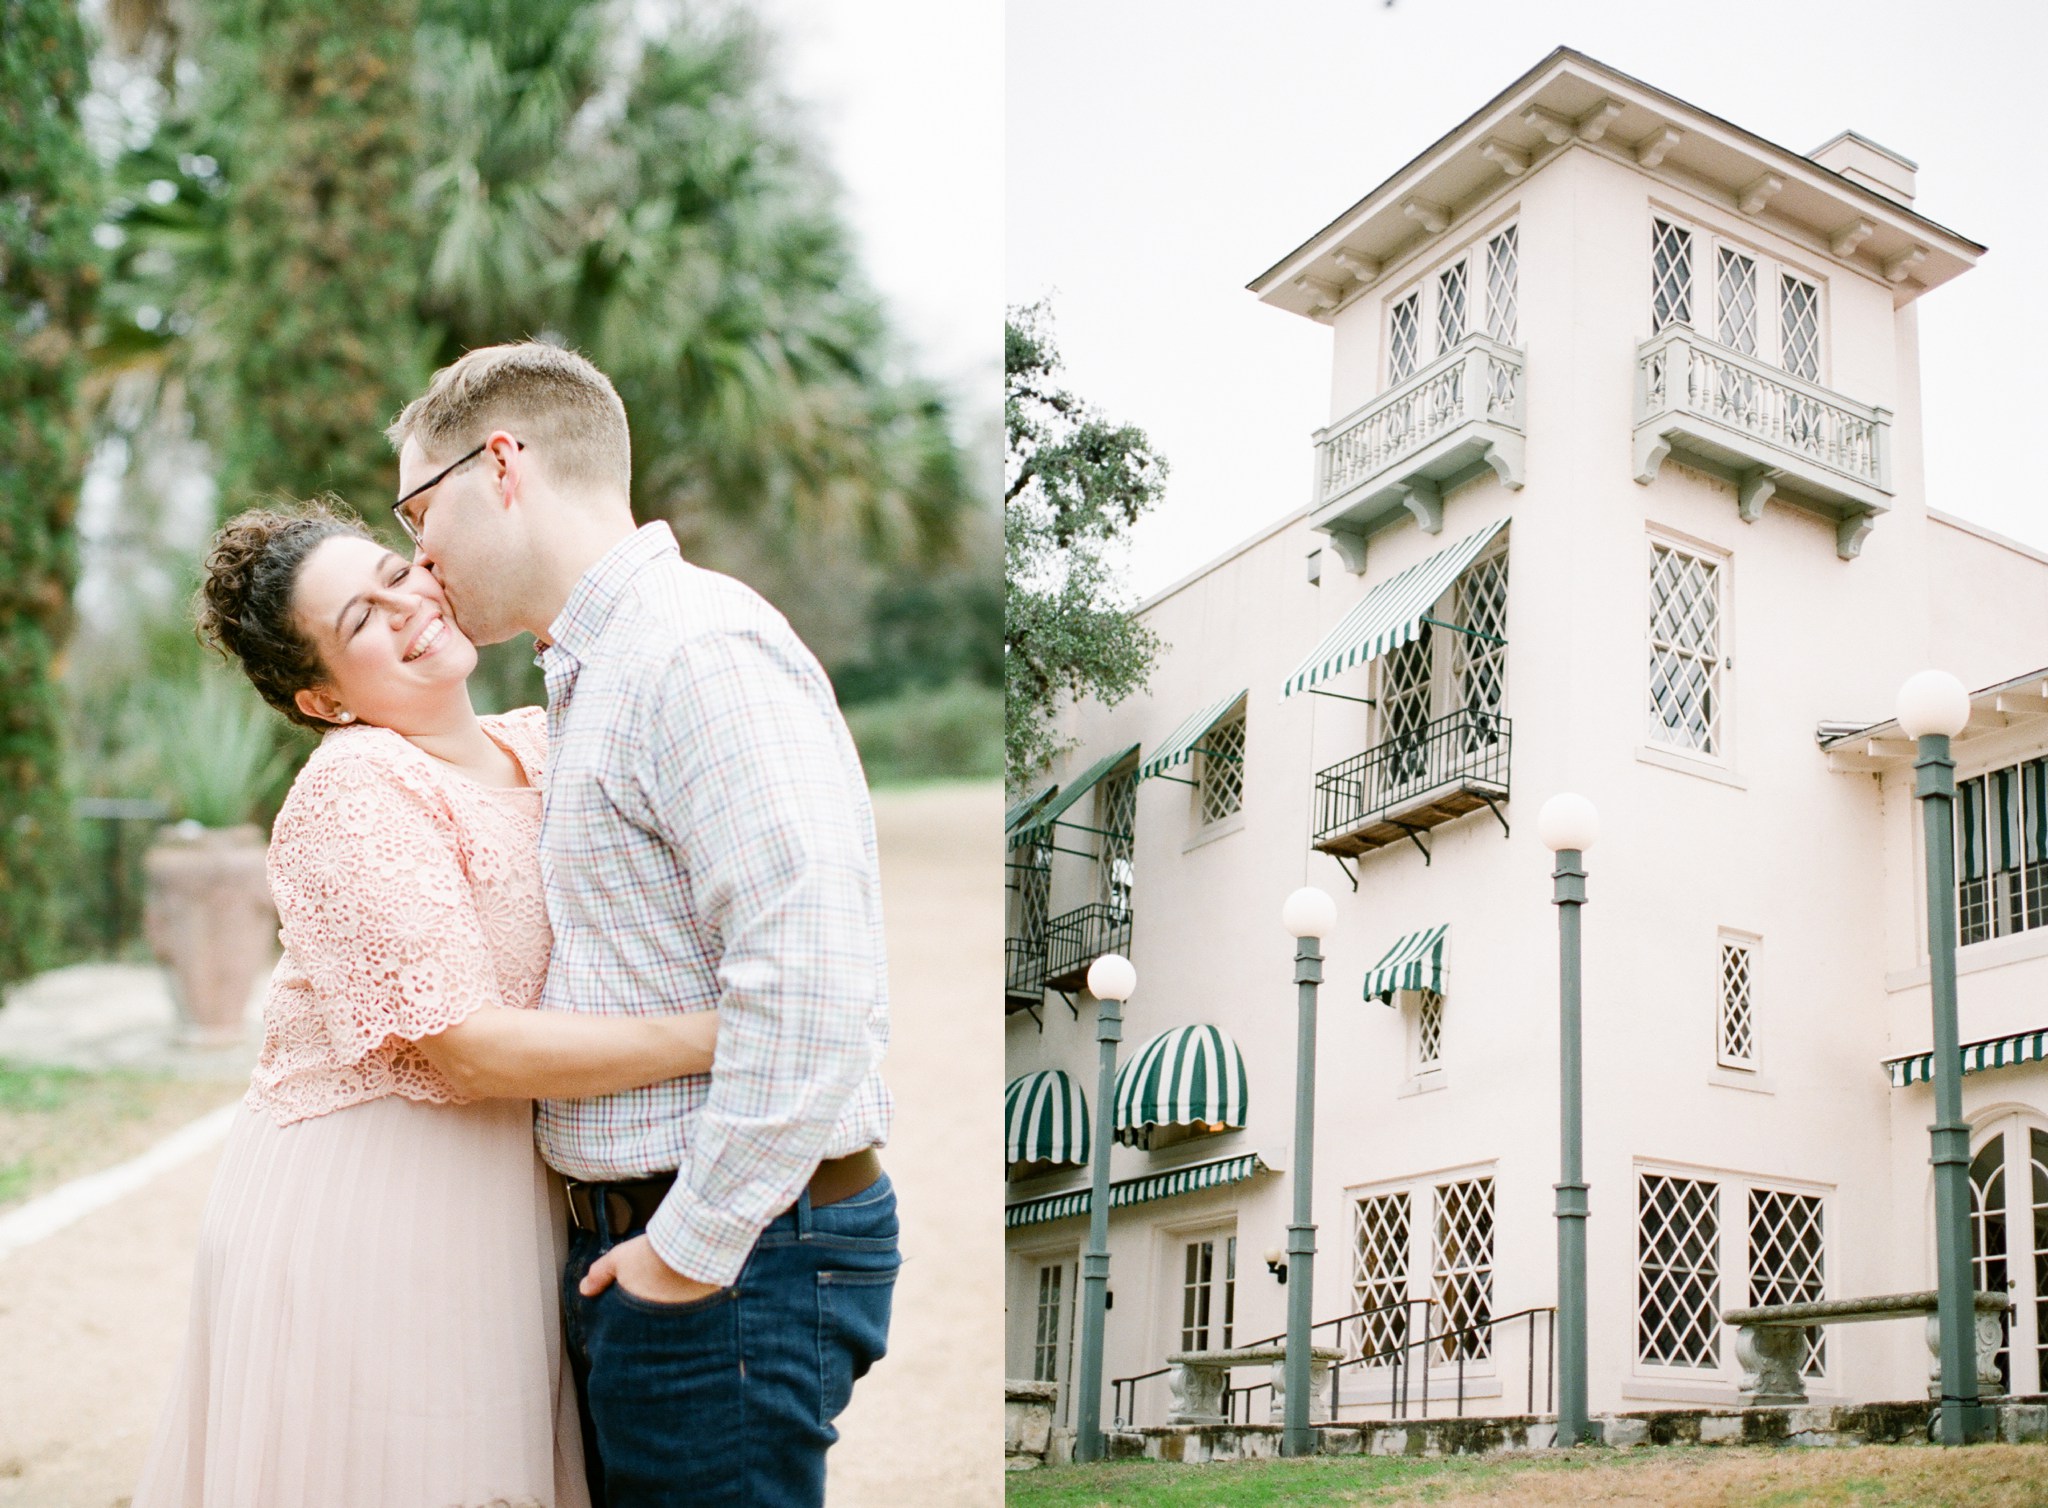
(634,937)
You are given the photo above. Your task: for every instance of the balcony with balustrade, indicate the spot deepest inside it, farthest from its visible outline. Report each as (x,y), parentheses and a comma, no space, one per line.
(1768,432)
(1419,779)
(1452,420)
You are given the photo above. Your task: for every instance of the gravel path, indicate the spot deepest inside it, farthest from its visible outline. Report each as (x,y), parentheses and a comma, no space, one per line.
(90,1319)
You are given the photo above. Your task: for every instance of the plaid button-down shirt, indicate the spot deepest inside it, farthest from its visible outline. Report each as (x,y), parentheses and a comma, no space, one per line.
(707,841)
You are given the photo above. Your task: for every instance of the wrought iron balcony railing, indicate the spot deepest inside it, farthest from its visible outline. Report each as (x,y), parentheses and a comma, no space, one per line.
(1452,765)
(1023,973)
(1454,418)
(1077,938)
(1764,429)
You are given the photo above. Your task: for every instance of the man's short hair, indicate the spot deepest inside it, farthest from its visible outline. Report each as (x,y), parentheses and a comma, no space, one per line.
(565,411)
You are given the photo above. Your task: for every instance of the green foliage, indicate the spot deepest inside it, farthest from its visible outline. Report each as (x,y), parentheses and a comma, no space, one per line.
(49,279)
(314,341)
(219,759)
(943,734)
(1074,484)
(653,203)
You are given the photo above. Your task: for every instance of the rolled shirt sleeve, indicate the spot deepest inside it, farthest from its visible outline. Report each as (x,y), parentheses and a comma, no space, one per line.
(744,769)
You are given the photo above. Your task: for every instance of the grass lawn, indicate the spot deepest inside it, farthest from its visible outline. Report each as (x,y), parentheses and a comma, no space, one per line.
(1876,1476)
(58,1123)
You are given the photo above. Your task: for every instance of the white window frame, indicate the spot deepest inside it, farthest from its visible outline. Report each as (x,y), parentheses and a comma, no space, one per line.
(1752,947)
(1734,1261)
(1426,288)
(1443,663)
(1722,756)
(1204,825)
(2013,900)
(1423,1073)
(1030,1260)
(1173,1240)
(1423,1192)
(1707,245)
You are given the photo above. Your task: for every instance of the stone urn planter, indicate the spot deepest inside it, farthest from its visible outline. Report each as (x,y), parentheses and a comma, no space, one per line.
(210,923)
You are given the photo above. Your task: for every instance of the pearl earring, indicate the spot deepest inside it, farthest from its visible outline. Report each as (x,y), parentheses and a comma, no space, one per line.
(347,717)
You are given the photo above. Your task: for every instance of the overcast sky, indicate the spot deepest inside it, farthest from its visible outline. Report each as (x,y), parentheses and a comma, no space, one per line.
(906,97)
(1162,154)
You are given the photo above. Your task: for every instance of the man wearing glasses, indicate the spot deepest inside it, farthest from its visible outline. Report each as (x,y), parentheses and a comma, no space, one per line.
(707,844)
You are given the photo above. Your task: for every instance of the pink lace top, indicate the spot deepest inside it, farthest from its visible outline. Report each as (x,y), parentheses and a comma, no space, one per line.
(408,895)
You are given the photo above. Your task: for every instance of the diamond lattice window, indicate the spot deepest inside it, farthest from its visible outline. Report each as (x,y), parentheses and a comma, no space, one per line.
(1799,327)
(1738,1011)
(1462,1273)
(1479,667)
(1045,1350)
(1685,650)
(1678,1271)
(1735,284)
(1116,813)
(1222,779)
(1404,339)
(1787,1259)
(1503,299)
(1670,275)
(1429,1032)
(1404,712)
(1379,1277)
(1450,306)
(1030,877)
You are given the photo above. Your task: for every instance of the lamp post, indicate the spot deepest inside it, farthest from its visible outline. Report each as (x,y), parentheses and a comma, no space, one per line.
(1111,979)
(1569,824)
(1933,708)
(1309,915)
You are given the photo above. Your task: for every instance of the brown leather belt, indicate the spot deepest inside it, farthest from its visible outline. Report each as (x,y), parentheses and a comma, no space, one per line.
(631,1202)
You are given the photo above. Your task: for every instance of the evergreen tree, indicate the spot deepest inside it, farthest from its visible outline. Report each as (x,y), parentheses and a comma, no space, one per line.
(314,341)
(49,276)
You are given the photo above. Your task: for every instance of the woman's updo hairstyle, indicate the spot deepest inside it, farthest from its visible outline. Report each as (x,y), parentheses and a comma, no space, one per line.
(245,598)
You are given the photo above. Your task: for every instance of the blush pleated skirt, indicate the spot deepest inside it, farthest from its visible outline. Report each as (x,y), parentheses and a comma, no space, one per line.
(375,1320)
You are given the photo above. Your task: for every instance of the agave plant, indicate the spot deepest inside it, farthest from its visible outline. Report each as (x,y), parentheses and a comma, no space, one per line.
(218,755)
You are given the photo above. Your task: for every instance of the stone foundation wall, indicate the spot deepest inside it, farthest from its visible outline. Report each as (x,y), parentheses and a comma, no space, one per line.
(1027,1423)
(2019,1420)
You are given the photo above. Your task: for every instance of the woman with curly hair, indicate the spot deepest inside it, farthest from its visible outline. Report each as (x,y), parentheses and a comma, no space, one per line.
(375,1311)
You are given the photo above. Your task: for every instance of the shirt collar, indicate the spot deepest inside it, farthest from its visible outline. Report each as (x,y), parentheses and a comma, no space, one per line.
(597,593)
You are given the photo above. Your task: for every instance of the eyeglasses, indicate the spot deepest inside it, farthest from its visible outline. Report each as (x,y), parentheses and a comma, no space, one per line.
(398,509)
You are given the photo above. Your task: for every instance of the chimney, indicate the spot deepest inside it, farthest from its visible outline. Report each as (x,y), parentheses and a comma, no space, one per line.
(1863,161)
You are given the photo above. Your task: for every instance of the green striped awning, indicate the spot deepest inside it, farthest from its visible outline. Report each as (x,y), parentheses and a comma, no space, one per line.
(1045,1119)
(1179,747)
(1188,1180)
(1017,815)
(1416,962)
(1993,1052)
(1391,614)
(1192,1075)
(1056,806)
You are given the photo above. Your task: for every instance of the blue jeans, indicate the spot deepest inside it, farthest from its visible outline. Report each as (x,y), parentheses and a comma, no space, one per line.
(728,1401)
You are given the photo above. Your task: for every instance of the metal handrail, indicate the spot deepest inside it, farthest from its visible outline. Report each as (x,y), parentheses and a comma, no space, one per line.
(1463,745)
(120,904)
(1023,965)
(1117,1384)
(1398,1393)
